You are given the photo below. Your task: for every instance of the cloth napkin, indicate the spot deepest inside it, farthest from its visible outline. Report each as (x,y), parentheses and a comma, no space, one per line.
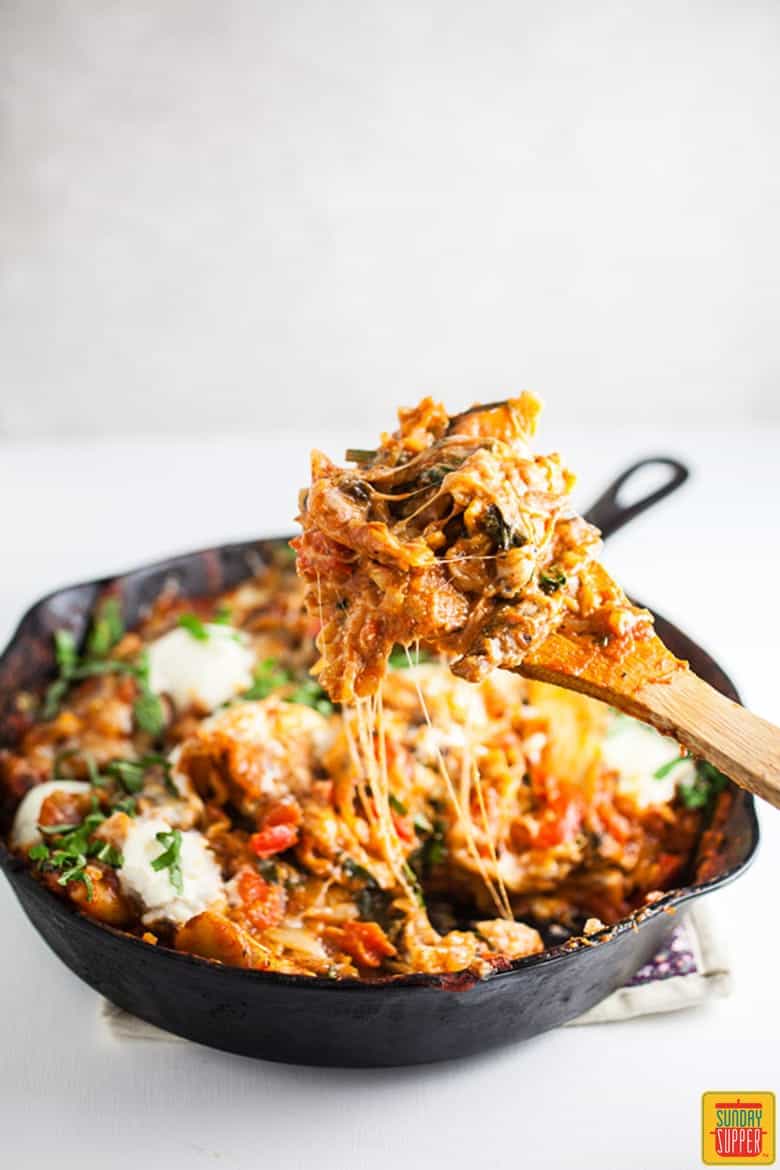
(690,970)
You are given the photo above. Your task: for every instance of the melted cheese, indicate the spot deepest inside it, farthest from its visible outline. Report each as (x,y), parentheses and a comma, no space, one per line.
(25,832)
(202,884)
(203,672)
(636,752)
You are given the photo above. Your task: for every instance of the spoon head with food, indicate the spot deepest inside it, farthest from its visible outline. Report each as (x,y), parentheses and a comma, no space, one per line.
(455,534)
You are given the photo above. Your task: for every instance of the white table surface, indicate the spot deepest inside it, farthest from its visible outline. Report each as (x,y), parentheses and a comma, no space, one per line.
(624,1095)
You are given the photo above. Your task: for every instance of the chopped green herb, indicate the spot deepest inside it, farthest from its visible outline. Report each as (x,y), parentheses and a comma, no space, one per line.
(359,455)
(93,774)
(268,677)
(310,693)
(127,805)
(411,877)
(129,772)
(149,713)
(55,693)
(77,873)
(396,805)
(399,659)
(421,824)
(67,659)
(222,616)
(57,830)
(104,666)
(503,535)
(662,772)
(170,858)
(65,651)
(268,868)
(71,670)
(354,870)
(148,708)
(552,580)
(433,476)
(73,848)
(701,791)
(433,850)
(106,630)
(193,625)
(110,854)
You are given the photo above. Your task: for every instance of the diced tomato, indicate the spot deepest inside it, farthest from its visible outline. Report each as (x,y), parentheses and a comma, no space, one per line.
(402,827)
(615,823)
(560,824)
(287,812)
(366,942)
(275,839)
(279,830)
(264,902)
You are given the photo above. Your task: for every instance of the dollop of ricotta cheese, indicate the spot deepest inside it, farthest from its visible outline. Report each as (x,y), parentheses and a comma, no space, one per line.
(636,752)
(201,879)
(206,671)
(25,832)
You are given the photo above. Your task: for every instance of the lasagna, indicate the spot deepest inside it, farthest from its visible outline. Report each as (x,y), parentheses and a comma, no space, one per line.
(190,781)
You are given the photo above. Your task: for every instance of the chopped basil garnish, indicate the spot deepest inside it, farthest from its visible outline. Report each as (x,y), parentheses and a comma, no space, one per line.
(149,714)
(310,694)
(354,870)
(65,651)
(132,773)
(662,772)
(193,625)
(269,677)
(107,629)
(73,848)
(127,805)
(398,659)
(170,858)
(148,709)
(359,455)
(413,881)
(701,791)
(396,805)
(503,535)
(55,693)
(433,476)
(552,580)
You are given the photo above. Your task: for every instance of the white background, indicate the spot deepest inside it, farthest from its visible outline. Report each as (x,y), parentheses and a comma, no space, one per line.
(601,1098)
(220,222)
(232,216)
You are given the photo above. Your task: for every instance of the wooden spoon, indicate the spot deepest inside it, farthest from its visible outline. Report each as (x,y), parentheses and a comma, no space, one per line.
(648,682)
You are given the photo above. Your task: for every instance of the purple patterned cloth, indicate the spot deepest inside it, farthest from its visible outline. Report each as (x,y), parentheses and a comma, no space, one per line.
(677,958)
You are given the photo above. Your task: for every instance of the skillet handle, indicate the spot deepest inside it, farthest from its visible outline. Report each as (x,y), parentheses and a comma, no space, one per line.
(608,514)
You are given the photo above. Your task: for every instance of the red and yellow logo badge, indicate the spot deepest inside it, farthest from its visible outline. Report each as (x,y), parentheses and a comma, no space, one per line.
(738,1129)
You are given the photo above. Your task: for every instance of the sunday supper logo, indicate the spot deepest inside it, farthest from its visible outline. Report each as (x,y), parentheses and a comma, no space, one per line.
(738,1129)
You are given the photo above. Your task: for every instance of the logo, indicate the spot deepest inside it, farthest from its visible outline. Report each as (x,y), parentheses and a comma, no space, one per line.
(738,1129)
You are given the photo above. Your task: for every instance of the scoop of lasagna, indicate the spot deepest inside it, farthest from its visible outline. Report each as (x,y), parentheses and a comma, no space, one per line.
(454,534)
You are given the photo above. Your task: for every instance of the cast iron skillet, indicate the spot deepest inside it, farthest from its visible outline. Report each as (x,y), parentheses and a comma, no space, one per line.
(408,1020)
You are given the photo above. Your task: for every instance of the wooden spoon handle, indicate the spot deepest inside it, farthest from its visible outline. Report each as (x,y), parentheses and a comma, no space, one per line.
(742,745)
